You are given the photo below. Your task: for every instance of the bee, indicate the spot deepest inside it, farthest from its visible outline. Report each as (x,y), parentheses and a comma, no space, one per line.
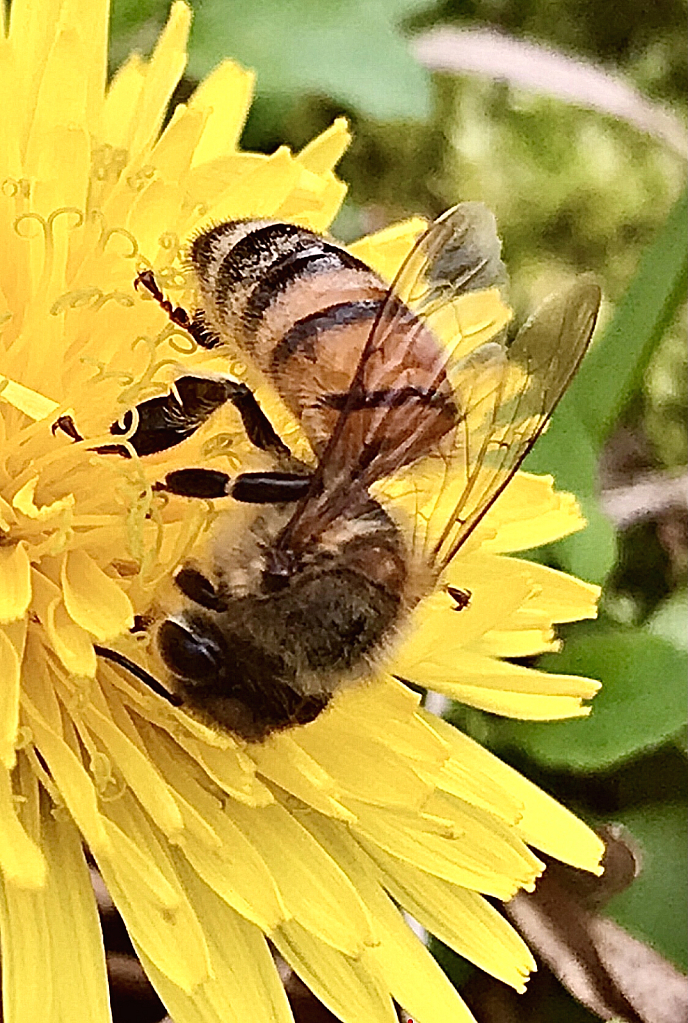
(317,586)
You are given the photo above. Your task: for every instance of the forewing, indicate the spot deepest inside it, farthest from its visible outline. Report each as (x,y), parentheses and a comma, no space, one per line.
(401,402)
(506,395)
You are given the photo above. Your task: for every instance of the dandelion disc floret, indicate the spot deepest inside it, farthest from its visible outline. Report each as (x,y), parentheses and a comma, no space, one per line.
(207,844)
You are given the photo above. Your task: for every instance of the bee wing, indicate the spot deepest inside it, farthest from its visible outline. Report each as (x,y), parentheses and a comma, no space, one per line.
(506,395)
(478,407)
(399,403)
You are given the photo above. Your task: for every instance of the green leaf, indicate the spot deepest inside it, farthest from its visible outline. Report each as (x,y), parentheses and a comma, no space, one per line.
(613,369)
(610,373)
(640,706)
(567,452)
(654,908)
(670,620)
(351,50)
(592,553)
(130,14)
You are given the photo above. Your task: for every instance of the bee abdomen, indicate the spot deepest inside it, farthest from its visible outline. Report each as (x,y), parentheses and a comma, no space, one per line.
(246,266)
(304,309)
(302,336)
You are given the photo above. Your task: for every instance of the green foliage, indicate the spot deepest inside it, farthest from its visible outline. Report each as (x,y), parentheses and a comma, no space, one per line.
(665,394)
(611,373)
(669,620)
(655,907)
(640,706)
(614,368)
(351,50)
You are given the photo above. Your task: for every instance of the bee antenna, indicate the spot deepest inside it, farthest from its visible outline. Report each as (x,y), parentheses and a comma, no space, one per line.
(138,672)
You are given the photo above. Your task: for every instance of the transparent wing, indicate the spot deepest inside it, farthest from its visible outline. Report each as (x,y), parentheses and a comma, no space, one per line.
(429,393)
(506,395)
(400,403)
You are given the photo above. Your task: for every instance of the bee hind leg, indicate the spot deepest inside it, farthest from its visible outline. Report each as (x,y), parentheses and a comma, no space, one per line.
(167,420)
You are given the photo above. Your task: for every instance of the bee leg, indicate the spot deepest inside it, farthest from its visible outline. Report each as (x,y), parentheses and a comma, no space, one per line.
(248,487)
(177,314)
(270,487)
(259,429)
(169,419)
(67,425)
(197,482)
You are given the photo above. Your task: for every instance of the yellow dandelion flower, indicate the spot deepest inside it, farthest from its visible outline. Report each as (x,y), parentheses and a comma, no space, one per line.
(207,844)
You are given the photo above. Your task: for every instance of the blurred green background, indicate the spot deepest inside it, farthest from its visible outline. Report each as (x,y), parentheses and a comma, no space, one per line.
(575,187)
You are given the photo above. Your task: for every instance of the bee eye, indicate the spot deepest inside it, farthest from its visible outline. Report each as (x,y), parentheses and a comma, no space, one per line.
(193,655)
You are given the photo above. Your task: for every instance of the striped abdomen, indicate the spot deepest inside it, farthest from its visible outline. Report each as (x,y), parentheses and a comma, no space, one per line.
(304,308)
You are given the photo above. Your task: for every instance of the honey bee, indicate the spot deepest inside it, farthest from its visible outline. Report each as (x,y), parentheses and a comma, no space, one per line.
(316,587)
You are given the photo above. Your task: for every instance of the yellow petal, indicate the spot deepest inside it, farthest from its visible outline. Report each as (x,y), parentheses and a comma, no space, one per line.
(164,70)
(499,686)
(522,706)
(94,600)
(92,19)
(313,887)
(138,771)
(7,516)
(58,148)
(440,847)
(226,93)
(21,860)
(15,582)
(231,865)
(176,146)
(462,919)
(386,250)
(562,597)
(314,201)
(142,877)
(323,152)
(117,118)
(24,501)
(348,987)
(71,778)
(423,990)
(53,957)
(31,34)
(544,823)
(259,193)
(33,404)
(228,768)
(72,644)
(287,764)
(529,513)
(369,770)
(243,982)
(12,640)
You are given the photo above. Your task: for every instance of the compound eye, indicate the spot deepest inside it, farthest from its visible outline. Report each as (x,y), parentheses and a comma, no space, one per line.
(192,655)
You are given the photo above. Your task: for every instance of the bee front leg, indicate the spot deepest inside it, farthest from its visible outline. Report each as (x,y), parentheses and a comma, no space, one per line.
(248,487)
(178,315)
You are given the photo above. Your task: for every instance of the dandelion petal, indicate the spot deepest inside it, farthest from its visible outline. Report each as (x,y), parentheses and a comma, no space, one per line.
(94,600)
